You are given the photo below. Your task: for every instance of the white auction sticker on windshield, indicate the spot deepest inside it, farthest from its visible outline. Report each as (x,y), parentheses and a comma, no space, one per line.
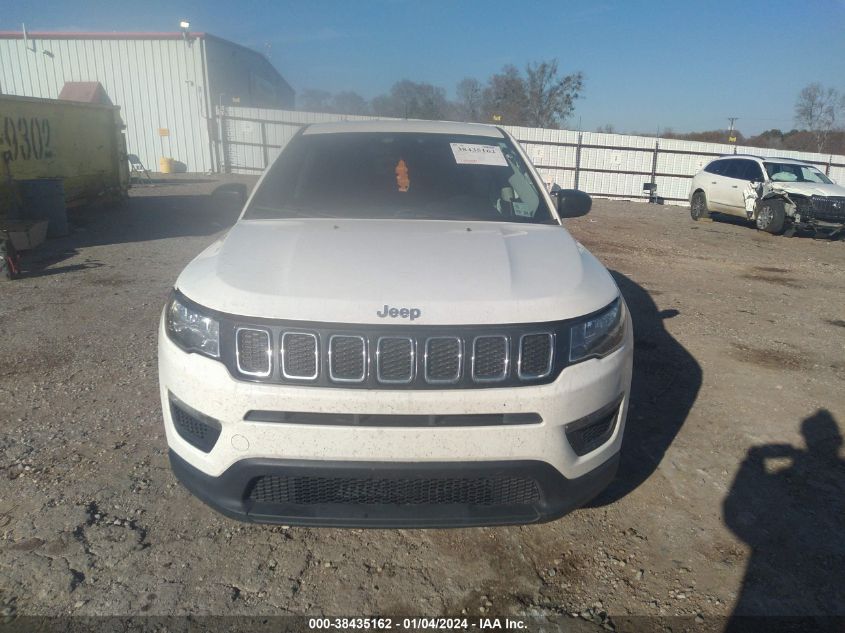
(472,154)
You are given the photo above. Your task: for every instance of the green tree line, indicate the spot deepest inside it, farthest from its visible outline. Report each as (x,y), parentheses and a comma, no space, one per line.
(540,96)
(536,96)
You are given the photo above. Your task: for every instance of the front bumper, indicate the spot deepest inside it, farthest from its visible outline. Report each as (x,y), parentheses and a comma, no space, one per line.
(229,493)
(245,448)
(825,213)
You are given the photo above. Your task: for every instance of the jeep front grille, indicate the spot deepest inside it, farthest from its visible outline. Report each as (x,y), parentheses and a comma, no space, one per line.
(347,358)
(395,360)
(300,356)
(253,351)
(443,359)
(440,357)
(535,355)
(490,358)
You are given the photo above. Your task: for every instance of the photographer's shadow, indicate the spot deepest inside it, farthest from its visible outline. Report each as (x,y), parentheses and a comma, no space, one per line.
(665,384)
(788,505)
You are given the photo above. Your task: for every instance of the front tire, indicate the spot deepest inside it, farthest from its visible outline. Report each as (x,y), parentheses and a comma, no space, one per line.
(698,207)
(7,257)
(771,217)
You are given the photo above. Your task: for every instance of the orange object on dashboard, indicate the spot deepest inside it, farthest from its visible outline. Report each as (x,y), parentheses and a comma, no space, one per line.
(403,181)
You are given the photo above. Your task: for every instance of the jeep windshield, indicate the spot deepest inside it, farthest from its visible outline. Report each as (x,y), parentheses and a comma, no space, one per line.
(384,175)
(792,172)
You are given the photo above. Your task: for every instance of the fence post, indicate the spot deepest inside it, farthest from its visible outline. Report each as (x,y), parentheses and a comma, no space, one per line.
(224,134)
(265,151)
(213,126)
(829,162)
(578,159)
(652,195)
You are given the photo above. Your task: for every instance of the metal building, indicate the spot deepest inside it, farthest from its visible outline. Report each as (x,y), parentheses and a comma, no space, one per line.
(167,85)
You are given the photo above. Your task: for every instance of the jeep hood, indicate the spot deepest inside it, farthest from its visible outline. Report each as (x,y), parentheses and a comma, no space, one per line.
(808,188)
(344,271)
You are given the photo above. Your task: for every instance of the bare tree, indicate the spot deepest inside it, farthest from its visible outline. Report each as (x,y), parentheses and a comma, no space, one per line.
(816,110)
(411,100)
(505,99)
(349,102)
(540,98)
(607,128)
(550,97)
(470,93)
(314,101)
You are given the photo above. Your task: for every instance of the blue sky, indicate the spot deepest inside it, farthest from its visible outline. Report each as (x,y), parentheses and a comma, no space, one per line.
(682,65)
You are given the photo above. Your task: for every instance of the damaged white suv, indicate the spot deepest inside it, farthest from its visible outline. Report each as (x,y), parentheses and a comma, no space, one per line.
(398,331)
(779,194)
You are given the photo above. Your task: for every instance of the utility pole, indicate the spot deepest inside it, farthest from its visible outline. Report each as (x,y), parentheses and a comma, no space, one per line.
(731,137)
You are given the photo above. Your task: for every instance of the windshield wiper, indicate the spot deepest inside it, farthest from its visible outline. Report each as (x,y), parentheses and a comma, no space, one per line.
(282,213)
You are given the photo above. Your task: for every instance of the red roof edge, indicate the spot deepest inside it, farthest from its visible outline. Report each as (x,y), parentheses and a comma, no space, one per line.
(77,35)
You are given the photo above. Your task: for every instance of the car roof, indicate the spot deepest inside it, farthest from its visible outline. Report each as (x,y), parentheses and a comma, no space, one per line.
(739,156)
(402,125)
(794,161)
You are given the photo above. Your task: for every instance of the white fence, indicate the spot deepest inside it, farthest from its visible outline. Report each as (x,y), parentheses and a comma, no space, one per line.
(604,165)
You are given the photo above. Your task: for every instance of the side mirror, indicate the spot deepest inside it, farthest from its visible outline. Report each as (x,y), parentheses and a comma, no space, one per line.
(572,203)
(231,196)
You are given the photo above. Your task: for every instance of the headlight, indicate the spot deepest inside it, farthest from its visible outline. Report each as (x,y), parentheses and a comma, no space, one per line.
(598,335)
(192,330)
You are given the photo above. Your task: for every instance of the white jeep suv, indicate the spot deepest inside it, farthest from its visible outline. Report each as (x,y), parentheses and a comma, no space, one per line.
(779,194)
(398,331)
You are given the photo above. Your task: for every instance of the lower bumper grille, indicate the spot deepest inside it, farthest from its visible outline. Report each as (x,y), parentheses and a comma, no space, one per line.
(587,434)
(483,491)
(193,427)
(380,494)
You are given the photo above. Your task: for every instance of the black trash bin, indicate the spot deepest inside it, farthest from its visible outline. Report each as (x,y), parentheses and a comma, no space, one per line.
(44,199)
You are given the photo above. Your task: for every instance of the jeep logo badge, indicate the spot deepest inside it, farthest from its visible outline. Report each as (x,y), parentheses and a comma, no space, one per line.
(399,313)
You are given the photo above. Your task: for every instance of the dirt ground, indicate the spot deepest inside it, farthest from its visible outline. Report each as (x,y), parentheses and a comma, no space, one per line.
(730,497)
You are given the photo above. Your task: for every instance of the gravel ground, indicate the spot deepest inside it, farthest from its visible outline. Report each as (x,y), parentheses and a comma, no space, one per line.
(729,498)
